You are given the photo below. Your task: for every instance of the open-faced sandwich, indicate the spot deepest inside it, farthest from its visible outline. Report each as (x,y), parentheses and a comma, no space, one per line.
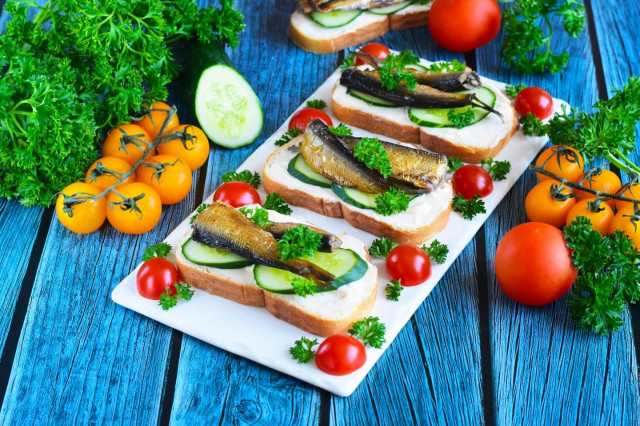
(445,107)
(326,26)
(312,279)
(387,189)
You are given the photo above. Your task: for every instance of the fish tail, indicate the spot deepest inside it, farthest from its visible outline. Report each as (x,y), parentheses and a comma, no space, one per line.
(479,104)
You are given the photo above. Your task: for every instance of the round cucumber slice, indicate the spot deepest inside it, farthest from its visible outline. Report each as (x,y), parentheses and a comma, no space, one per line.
(337,18)
(204,255)
(388,10)
(227,108)
(438,117)
(417,67)
(299,169)
(371,100)
(354,197)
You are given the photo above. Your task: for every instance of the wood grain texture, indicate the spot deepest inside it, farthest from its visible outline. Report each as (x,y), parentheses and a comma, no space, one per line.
(544,367)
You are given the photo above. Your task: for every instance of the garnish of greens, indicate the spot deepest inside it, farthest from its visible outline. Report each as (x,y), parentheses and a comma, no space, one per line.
(393,70)
(436,251)
(341,130)
(317,104)
(252,178)
(303,287)
(371,152)
(468,208)
(275,202)
(608,276)
(391,202)
(532,125)
(453,66)
(349,61)
(461,119)
(513,91)
(382,246)
(302,351)
(199,210)
(528,31)
(183,291)
(454,164)
(287,136)
(370,331)
(74,69)
(156,250)
(298,242)
(258,215)
(393,290)
(498,170)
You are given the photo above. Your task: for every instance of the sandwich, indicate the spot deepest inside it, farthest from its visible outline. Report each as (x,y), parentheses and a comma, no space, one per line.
(326,26)
(252,256)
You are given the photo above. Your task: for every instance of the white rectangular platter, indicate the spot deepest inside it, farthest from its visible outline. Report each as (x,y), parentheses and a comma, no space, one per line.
(255,334)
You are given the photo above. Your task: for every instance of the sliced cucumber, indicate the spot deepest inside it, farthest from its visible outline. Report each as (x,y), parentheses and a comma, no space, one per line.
(299,169)
(337,18)
(202,254)
(370,99)
(438,117)
(354,197)
(344,264)
(417,67)
(388,10)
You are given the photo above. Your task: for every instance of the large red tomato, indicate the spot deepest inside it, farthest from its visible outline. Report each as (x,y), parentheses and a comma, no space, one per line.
(340,354)
(533,264)
(463,25)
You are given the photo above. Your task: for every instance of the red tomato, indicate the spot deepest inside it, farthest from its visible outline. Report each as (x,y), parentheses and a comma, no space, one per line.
(237,194)
(409,264)
(377,50)
(155,276)
(472,180)
(533,264)
(463,25)
(340,354)
(300,119)
(536,101)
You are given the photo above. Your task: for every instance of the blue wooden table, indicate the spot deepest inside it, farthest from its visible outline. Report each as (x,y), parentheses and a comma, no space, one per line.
(470,355)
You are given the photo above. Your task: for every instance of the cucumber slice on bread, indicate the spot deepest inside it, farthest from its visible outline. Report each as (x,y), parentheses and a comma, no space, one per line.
(439,117)
(370,99)
(202,254)
(337,18)
(388,10)
(299,169)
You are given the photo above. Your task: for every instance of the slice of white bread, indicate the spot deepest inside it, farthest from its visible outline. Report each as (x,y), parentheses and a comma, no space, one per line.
(315,38)
(323,314)
(427,215)
(471,144)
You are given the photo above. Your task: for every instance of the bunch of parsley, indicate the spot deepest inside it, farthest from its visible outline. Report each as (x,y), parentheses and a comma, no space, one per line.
(78,68)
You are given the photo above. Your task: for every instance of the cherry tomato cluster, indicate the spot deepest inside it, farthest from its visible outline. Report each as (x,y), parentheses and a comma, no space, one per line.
(128,185)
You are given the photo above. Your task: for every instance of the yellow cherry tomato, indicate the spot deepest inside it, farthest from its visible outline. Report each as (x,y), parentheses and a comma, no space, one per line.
(600,220)
(153,121)
(632,191)
(168,175)
(622,222)
(100,173)
(191,145)
(607,181)
(127,141)
(563,161)
(542,207)
(81,217)
(138,212)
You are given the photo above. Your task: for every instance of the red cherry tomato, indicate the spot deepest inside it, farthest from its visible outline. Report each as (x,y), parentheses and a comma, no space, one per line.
(472,180)
(463,25)
(237,194)
(377,50)
(409,264)
(536,101)
(533,264)
(300,119)
(340,354)
(156,275)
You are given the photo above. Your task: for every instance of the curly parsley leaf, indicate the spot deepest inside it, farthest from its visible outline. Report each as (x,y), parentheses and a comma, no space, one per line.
(498,170)
(348,62)
(444,66)
(393,290)
(302,351)
(317,104)
(258,215)
(341,130)
(304,287)
(287,136)
(512,91)
(156,250)
(461,119)
(370,330)
(436,251)
(252,178)
(183,291)
(393,70)
(275,202)
(391,202)
(371,152)
(468,208)
(532,125)
(454,164)
(199,210)
(298,242)
(381,247)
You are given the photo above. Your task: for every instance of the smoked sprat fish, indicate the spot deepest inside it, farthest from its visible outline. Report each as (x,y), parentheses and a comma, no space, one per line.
(222,226)
(330,5)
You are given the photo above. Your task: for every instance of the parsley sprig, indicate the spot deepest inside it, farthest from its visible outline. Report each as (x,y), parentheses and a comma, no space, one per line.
(498,170)
(258,215)
(512,91)
(287,136)
(341,130)
(302,351)
(532,125)
(391,202)
(436,251)
(304,287)
(298,242)
(382,246)
(461,119)
(370,330)
(444,66)
(199,210)
(393,70)
(393,290)
(276,203)
(252,178)
(468,208)
(454,164)
(156,250)
(317,104)
(527,46)
(371,152)
(183,291)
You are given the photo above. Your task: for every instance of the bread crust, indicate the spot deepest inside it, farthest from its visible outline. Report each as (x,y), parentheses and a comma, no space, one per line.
(405,21)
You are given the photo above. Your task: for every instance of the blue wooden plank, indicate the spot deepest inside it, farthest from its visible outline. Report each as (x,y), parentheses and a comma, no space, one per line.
(543,366)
